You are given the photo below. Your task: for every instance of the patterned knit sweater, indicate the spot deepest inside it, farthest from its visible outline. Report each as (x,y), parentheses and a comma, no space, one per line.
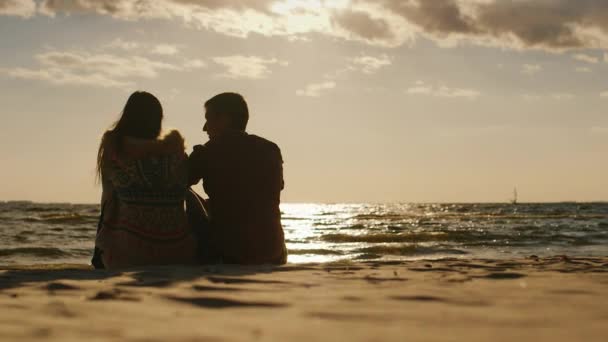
(144,221)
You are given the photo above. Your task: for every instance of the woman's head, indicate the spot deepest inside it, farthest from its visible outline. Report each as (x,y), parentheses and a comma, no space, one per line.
(141,118)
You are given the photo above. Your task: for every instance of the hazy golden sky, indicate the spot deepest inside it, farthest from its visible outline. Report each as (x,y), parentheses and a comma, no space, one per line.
(415,101)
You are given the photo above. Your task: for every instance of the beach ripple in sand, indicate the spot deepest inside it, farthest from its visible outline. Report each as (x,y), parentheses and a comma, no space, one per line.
(561,298)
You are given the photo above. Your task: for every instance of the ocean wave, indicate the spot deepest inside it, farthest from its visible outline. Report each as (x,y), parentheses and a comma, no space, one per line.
(294,218)
(380,238)
(314,251)
(43,209)
(358,226)
(62,218)
(407,250)
(387,216)
(362,231)
(473,238)
(34,251)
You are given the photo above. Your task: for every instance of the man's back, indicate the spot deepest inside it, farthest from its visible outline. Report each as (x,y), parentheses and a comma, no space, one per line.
(243,176)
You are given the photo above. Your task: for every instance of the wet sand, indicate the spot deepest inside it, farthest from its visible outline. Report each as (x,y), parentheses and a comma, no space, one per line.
(546,299)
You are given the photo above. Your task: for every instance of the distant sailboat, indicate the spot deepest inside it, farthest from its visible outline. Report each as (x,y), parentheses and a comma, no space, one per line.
(514,199)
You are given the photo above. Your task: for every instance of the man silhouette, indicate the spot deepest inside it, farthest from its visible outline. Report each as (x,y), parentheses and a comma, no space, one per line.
(243,176)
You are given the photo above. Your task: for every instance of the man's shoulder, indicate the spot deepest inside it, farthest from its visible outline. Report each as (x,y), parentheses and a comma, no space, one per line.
(243,142)
(264,142)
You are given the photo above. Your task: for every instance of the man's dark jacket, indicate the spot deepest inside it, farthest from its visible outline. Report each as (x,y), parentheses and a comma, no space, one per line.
(243,176)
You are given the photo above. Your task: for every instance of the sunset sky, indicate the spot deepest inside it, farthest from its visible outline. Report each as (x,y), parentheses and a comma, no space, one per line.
(369,100)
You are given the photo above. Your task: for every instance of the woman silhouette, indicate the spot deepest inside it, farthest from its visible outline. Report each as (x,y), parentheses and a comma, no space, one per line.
(144,180)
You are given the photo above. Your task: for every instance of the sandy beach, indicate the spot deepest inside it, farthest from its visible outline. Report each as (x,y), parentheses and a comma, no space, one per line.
(549,299)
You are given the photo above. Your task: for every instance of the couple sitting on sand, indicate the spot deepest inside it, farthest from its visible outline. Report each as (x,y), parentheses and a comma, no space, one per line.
(151,217)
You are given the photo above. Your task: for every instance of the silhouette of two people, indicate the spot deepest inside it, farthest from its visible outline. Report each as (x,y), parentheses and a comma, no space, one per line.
(146,179)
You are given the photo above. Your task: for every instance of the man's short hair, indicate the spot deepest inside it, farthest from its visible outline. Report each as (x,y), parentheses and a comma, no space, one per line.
(231,104)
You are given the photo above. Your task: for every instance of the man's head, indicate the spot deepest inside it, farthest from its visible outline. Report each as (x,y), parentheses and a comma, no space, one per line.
(225,112)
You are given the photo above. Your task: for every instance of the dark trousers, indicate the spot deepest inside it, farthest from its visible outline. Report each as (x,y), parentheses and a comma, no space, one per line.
(198,217)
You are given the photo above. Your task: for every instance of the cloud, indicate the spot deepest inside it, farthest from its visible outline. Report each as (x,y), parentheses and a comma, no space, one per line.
(531,97)
(554,96)
(19,8)
(237,18)
(121,9)
(435,17)
(552,25)
(155,49)
(133,9)
(165,49)
(370,64)
(315,89)
(148,48)
(195,64)
(531,69)
(85,68)
(251,67)
(366,64)
(66,77)
(421,89)
(105,63)
(604,94)
(119,43)
(562,96)
(586,58)
(442,91)
(372,25)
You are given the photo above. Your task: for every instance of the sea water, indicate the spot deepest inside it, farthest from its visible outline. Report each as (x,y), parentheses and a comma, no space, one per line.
(33,233)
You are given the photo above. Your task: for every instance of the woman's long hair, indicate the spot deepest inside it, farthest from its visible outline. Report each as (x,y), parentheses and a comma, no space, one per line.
(141,118)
